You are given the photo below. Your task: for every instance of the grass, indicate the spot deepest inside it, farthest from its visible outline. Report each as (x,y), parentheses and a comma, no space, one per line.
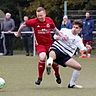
(20,72)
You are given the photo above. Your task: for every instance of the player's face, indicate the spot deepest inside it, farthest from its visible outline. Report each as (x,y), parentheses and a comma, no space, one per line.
(41,16)
(76,29)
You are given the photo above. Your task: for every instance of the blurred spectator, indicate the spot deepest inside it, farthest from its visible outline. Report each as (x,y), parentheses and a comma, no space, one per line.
(8,26)
(88,27)
(27,38)
(66,23)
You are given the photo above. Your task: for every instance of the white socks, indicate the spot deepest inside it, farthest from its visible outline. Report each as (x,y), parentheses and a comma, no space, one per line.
(74,77)
(50,61)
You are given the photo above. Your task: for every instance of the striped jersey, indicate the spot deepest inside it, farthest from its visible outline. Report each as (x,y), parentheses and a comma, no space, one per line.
(70,45)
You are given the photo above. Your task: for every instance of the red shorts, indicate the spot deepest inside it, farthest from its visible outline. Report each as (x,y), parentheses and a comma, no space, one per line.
(42,48)
(87,42)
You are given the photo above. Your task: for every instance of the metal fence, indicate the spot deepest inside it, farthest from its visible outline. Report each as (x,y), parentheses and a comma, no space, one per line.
(75,14)
(79,14)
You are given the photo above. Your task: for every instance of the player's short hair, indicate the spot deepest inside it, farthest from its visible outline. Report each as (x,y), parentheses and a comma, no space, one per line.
(40,9)
(78,22)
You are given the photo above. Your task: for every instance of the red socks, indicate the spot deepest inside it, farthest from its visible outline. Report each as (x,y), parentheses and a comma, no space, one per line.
(41,67)
(56,69)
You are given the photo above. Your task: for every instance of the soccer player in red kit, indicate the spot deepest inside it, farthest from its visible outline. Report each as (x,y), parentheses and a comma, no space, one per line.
(42,29)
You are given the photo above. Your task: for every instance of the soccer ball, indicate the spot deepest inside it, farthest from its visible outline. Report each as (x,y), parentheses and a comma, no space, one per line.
(2,83)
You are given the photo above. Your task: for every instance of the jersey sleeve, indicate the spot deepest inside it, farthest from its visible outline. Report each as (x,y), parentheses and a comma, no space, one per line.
(52,24)
(30,22)
(80,45)
(65,31)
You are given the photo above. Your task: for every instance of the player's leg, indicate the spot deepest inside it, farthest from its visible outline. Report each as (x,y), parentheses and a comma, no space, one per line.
(52,56)
(75,65)
(41,63)
(74,77)
(41,67)
(56,70)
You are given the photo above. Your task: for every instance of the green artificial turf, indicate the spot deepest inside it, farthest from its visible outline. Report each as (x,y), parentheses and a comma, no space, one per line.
(20,73)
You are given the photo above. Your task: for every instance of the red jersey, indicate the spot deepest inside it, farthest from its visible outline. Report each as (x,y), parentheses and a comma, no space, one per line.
(42,30)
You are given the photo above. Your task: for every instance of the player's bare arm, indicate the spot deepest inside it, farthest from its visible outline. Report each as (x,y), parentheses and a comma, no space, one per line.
(18,33)
(56,31)
(88,47)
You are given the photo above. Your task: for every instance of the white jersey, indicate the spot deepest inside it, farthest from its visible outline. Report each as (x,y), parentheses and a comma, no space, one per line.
(68,46)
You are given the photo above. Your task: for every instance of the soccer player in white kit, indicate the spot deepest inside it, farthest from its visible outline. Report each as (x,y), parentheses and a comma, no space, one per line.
(63,49)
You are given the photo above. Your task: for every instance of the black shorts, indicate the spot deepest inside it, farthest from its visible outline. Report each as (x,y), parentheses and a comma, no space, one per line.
(61,58)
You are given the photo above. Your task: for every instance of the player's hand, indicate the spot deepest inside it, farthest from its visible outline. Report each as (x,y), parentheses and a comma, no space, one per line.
(16,34)
(62,37)
(65,38)
(58,37)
